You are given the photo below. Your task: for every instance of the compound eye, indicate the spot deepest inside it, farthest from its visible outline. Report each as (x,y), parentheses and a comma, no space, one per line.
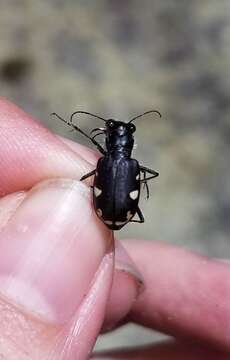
(110,123)
(132,128)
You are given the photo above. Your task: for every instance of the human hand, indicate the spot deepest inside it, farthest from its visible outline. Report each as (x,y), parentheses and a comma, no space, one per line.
(56,257)
(56,263)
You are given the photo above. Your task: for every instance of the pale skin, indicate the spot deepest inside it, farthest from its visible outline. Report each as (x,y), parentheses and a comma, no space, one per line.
(56,264)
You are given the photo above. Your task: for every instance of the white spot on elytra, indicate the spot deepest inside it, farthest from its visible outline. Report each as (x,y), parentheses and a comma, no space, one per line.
(129,215)
(133,194)
(118,223)
(99,212)
(108,222)
(97,191)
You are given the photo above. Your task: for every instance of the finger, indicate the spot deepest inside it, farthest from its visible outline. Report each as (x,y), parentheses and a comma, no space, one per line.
(55,273)
(185,295)
(30,153)
(127,286)
(164,351)
(90,155)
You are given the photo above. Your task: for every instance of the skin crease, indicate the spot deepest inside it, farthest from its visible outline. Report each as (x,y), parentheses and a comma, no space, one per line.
(191,303)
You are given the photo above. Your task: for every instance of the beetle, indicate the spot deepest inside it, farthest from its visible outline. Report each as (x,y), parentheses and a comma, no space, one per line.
(117,177)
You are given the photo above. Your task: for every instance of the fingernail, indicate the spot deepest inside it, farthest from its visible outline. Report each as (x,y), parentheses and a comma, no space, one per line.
(8,206)
(124,263)
(51,248)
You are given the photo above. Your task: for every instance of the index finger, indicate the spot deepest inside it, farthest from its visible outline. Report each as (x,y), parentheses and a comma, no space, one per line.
(186,295)
(30,153)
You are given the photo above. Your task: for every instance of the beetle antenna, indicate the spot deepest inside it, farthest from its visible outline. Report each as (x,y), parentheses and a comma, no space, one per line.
(73,126)
(145,113)
(87,113)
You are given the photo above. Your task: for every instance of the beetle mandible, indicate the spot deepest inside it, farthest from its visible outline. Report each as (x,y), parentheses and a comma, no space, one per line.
(117,177)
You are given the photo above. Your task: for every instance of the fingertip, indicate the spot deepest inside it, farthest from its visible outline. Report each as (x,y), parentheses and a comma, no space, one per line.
(127,285)
(30,153)
(87,153)
(56,267)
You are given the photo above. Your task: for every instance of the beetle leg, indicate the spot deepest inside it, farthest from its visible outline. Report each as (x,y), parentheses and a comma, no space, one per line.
(99,133)
(150,171)
(140,215)
(147,190)
(144,181)
(91,173)
(75,127)
(145,185)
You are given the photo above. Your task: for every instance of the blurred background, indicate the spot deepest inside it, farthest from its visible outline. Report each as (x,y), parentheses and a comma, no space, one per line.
(120,58)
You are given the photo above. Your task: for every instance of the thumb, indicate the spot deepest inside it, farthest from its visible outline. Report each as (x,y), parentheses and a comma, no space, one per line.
(56,268)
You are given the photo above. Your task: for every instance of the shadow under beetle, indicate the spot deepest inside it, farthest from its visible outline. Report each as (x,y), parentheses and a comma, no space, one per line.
(117,177)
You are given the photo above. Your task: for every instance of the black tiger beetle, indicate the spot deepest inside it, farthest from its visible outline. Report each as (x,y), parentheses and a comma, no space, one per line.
(117,177)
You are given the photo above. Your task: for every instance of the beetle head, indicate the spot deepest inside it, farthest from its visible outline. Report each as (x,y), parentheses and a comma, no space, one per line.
(119,135)
(119,128)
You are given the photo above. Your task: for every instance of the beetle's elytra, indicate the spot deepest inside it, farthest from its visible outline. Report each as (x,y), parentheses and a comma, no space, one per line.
(117,177)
